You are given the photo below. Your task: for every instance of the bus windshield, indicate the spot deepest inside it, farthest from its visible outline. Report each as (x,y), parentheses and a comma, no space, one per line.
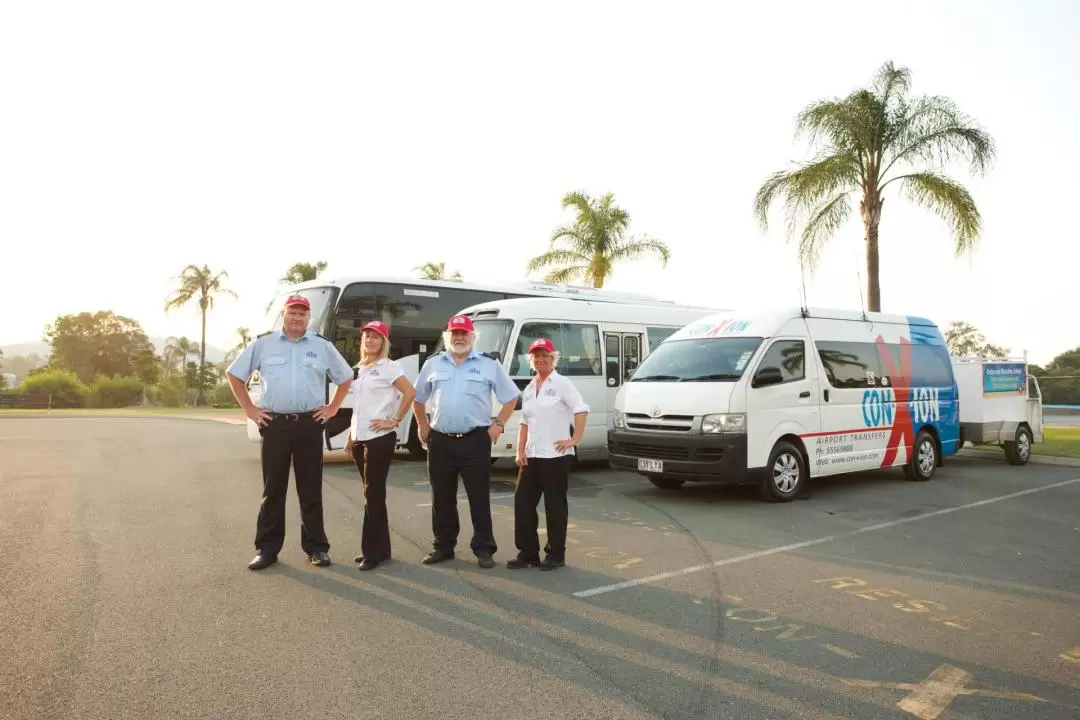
(698,360)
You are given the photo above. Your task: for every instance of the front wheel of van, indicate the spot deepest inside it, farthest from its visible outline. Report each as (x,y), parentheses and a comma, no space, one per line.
(666,483)
(924,460)
(785,474)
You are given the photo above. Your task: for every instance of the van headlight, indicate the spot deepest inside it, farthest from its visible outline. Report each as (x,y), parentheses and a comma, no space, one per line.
(618,419)
(725,423)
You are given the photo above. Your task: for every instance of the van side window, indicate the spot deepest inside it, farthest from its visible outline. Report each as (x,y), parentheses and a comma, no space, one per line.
(658,334)
(850,364)
(578,347)
(789,356)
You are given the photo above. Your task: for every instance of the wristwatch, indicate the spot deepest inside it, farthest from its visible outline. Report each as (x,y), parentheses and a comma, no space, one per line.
(500,424)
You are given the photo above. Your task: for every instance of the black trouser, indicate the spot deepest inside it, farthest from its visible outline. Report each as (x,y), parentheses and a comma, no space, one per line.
(372,459)
(469,456)
(550,477)
(295,439)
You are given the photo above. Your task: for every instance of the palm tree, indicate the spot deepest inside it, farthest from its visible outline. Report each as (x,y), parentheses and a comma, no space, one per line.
(437,271)
(596,240)
(303,272)
(201,284)
(245,340)
(873,138)
(178,349)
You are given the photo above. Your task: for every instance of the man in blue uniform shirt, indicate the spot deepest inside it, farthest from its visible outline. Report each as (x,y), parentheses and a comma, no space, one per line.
(294,363)
(455,386)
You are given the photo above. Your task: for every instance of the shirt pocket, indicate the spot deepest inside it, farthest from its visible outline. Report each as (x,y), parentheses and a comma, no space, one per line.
(314,365)
(476,386)
(274,366)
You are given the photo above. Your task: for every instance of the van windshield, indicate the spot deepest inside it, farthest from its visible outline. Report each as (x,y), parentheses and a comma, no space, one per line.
(698,360)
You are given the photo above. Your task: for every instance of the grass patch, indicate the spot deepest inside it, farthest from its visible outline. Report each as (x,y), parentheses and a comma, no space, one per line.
(1059,441)
(127,411)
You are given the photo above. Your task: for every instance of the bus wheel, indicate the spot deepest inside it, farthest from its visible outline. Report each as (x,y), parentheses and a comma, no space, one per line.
(666,483)
(1018,451)
(923,462)
(785,474)
(414,446)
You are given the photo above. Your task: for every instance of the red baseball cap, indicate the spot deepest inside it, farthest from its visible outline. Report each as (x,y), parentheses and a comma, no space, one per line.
(460,322)
(298,300)
(379,327)
(542,344)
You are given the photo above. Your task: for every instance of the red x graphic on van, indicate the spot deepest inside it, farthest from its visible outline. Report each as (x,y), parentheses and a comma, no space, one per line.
(900,379)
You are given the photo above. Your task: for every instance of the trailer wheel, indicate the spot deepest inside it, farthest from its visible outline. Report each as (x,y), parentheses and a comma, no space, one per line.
(666,483)
(923,461)
(1018,451)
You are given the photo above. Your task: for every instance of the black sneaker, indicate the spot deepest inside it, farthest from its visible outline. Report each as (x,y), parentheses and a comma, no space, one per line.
(485,560)
(519,563)
(437,556)
(551,563)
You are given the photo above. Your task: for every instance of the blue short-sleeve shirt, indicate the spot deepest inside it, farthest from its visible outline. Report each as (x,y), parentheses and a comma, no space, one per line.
(458,397)
(293,372)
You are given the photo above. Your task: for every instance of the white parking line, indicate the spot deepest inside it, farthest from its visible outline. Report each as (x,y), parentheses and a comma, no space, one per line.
(503,496)
(808,543)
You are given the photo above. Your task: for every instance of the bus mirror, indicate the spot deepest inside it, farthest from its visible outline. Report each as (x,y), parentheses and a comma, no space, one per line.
(768,376)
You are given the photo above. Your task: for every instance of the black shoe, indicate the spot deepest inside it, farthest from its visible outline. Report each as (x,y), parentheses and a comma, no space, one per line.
(358,559)
(551,563)
(366,564)
(519,563)
(485,560)
(261,561)
(437,556)
(319,558)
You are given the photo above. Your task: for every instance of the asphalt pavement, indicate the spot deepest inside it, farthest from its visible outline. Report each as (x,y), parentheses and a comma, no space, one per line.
(124,593)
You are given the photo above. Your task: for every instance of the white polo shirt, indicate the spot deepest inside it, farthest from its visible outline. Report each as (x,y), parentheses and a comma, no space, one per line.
(550,415)
(374,397)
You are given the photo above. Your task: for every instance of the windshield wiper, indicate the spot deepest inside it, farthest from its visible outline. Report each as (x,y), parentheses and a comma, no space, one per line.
(713,376)
(655,378)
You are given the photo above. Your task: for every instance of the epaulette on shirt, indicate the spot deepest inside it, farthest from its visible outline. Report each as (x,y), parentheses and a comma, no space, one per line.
(489,357)
(319,335)
(263,334)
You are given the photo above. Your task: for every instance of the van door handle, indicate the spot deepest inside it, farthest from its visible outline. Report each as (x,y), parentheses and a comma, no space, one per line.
(826,396)
(804,394)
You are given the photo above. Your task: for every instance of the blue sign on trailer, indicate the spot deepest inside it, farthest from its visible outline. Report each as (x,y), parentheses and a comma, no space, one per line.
(1004,378)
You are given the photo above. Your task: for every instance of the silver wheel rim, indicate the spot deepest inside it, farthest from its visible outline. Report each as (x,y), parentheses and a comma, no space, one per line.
(1023,445)
(785,473)
(926,457)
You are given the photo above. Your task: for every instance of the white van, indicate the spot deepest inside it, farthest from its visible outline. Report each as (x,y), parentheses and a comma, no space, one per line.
(775,398)
(599,344)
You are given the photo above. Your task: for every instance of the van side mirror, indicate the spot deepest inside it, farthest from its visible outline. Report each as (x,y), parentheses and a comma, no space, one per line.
(768,376)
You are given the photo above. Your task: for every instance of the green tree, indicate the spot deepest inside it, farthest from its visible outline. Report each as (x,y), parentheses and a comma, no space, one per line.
(176,353)
(201,285)
(92,344)
(965,340)
(243,341)
(303,272)
(871,139)
(63,385)
(593,243)
(437,271)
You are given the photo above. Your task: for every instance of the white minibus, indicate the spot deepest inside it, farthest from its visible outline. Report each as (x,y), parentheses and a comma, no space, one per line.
(774,398)
(600,344)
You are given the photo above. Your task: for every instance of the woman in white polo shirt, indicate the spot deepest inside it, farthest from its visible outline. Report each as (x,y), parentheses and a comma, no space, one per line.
(550,407)
(381,396)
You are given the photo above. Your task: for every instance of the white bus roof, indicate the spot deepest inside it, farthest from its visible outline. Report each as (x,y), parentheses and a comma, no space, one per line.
(525,287)
(562,309)
(768,322)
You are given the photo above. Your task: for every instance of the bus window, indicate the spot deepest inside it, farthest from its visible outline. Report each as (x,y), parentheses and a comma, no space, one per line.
(578,346)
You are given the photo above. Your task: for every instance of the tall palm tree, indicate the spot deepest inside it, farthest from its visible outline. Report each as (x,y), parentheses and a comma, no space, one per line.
(245,340)
(303,272)
(595,241)
(873,138)
(200,284)
(436,271)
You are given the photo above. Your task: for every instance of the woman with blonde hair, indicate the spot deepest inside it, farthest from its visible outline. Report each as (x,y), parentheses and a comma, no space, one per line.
(381,397)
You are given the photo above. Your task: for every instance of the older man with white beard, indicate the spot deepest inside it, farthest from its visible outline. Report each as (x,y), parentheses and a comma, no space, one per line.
(457,384)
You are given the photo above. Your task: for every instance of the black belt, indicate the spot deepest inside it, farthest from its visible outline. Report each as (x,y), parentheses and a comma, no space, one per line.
(292,416)
(458,435)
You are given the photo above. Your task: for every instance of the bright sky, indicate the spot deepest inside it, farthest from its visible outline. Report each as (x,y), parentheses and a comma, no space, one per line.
(139,137)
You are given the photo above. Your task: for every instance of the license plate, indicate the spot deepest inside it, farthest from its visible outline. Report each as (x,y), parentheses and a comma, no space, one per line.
(646,465)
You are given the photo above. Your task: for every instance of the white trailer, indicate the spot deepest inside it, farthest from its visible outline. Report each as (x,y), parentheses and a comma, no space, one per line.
(1000,404)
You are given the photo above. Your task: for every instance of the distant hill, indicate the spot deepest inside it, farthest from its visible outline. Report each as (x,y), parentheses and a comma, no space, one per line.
(213,353)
